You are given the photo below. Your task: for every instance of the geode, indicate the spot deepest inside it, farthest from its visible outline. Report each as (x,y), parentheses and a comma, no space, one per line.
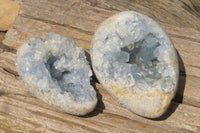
(136,63)
(56,71)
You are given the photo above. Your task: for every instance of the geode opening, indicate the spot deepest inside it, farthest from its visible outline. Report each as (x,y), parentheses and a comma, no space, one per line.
(142,54)
(56,71)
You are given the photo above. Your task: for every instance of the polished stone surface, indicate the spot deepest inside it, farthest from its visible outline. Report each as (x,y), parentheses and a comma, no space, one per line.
(136,63)
(56,71)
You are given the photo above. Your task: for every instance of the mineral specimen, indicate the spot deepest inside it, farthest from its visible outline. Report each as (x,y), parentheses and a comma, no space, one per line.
(136,63)
(56,71)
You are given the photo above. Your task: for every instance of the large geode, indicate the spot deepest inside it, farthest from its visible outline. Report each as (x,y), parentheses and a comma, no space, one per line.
(136,63)
(56,71)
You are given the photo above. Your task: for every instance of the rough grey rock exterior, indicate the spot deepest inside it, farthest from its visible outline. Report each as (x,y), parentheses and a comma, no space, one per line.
(56,71)
(136,63)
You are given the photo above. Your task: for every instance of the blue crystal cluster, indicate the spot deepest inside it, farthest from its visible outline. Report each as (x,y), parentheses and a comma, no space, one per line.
(56,71)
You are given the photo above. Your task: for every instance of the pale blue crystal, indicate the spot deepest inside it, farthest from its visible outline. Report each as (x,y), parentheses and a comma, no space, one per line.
(56,71)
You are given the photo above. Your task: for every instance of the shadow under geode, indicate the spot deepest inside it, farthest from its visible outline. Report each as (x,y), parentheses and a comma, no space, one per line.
(182,80)
(100,105)
(178,99)
(94,78)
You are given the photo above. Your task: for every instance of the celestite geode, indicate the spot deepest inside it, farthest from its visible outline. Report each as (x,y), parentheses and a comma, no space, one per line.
(56,71)
(136,63)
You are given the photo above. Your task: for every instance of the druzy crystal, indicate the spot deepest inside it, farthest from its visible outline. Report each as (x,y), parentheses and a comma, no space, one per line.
(56,71)
(136,63)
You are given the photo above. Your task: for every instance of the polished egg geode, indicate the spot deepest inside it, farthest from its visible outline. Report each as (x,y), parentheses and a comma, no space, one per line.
(136,63)
(56,71)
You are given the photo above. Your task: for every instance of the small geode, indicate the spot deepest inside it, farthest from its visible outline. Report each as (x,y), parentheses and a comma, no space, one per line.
(56,71)
(136,63)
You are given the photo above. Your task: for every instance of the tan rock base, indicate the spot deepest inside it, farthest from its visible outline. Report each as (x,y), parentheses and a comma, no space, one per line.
(8,13)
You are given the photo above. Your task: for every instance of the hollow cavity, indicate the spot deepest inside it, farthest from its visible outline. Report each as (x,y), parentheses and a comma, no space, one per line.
(142,54)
